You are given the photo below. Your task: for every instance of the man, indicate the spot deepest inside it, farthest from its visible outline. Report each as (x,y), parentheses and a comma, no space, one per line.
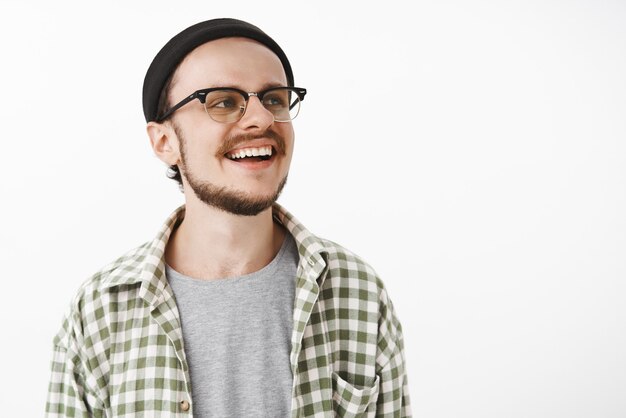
(234,309)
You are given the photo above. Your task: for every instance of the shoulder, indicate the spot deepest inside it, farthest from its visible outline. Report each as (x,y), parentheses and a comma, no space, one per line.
(351,272)
(345,262)
(88,308)
(125,270)
(343,269)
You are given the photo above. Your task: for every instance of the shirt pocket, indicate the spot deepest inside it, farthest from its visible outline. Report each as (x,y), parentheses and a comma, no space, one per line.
(350,401)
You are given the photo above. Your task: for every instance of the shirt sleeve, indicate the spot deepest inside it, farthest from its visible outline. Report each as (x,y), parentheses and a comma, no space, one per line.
(393,397)
(69,394)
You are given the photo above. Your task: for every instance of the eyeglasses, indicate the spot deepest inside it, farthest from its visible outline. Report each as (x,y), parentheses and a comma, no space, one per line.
(228,105)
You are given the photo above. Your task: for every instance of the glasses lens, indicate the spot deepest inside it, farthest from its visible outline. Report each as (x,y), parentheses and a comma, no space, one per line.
(283,103)
(225,105)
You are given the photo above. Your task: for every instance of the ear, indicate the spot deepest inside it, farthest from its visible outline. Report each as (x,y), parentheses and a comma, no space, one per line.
(164,142)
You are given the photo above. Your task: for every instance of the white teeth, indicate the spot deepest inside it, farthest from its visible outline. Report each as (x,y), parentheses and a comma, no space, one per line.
(250,152)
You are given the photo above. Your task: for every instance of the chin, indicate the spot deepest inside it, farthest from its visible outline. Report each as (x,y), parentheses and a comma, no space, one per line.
(235,201)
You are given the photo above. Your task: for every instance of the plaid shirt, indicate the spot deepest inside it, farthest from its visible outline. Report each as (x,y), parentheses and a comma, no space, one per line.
(120,350)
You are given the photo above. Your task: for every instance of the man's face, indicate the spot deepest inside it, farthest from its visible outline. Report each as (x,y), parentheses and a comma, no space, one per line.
(242,186)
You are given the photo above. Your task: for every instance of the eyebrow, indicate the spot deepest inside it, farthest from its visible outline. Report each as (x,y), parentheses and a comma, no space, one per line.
(265,86)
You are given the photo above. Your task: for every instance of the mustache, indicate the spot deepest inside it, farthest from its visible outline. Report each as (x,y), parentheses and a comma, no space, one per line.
(234,141)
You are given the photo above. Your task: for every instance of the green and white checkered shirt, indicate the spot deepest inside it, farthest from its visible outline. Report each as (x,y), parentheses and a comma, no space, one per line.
(120,350)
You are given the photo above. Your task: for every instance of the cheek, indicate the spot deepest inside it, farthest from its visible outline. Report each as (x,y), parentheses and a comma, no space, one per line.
(288,135)
(204,142)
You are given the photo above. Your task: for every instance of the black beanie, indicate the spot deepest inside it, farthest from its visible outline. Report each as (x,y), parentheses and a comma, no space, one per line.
(186,41)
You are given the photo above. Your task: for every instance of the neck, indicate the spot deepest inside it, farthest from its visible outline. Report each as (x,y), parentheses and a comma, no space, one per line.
(212,244)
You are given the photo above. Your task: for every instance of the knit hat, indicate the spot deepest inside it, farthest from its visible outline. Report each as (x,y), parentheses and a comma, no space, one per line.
(168,58)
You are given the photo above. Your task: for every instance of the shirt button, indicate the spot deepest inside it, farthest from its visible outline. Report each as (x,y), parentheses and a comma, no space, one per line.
(184,405)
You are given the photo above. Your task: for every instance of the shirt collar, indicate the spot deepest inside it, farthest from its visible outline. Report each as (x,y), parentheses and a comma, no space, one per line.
(146,264)
(312,250)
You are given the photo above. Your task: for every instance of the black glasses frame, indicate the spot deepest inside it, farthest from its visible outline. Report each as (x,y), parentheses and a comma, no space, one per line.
(201,95)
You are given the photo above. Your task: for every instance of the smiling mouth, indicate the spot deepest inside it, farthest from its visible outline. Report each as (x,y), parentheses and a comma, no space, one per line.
(251,154)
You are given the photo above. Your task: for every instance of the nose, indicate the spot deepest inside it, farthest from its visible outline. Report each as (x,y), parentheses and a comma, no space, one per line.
(256,114)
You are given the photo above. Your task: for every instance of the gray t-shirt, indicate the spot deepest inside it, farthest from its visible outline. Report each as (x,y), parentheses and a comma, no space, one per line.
(237,336)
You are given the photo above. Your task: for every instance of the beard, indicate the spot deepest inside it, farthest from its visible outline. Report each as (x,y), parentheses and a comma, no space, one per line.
(230,200)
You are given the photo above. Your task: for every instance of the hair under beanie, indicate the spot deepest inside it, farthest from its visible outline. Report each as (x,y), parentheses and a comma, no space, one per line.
(168,58)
